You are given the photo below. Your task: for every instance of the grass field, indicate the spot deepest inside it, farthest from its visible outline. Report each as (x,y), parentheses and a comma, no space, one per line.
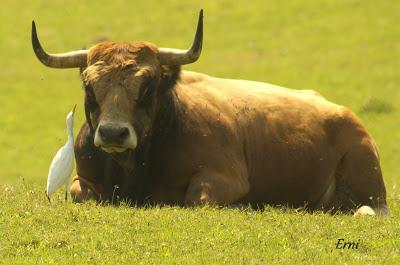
(347,50)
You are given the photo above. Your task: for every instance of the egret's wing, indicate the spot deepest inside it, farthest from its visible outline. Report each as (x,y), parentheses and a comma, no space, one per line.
(60,169)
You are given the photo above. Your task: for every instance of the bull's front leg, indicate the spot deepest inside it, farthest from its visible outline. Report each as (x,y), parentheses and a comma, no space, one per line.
(91,166)
(82,190)
(211,187)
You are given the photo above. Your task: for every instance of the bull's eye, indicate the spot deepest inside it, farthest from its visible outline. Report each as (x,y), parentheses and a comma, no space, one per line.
(145,94)
(90,98)
(90,106)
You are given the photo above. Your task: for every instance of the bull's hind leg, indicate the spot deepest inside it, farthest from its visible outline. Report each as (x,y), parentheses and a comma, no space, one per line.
(360,181)
(210,187)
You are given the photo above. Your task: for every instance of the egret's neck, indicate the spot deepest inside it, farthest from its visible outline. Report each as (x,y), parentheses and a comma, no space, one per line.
(70,132)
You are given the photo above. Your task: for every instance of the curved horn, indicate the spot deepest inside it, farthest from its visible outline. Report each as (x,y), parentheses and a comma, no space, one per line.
(62,60)
(168,56)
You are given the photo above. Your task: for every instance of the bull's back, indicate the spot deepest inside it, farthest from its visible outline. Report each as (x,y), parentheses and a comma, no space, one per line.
(282,134)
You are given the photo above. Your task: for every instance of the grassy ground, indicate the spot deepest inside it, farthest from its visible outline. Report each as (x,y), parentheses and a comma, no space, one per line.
(349,51)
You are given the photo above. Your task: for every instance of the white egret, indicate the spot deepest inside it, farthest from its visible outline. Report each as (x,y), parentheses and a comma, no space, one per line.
(62,165)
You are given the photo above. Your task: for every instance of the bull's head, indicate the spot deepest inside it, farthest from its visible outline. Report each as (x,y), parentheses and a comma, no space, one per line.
(122,81)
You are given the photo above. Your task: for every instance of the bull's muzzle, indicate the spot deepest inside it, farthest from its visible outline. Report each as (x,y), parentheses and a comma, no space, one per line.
(115,137)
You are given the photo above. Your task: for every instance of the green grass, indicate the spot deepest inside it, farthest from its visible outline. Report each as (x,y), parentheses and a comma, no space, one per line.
(347,50)
(88,233)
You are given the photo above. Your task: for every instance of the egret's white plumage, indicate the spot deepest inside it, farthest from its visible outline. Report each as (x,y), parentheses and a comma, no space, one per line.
(63,163)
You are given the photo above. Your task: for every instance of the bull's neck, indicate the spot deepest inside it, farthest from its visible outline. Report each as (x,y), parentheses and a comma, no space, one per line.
(167,124)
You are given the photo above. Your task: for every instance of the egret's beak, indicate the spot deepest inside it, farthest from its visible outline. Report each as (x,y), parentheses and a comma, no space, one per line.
(73,109)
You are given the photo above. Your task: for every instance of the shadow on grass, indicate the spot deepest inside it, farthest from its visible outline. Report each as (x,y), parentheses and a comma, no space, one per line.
(375,105)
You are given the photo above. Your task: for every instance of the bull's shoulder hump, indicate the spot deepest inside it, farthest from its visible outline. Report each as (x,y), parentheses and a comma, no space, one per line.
(267,88)
(238,87)
(189,77)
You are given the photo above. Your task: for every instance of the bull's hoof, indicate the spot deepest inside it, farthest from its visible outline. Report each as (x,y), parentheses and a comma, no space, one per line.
(365,210)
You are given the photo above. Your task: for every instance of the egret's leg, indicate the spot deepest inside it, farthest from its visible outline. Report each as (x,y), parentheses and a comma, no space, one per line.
(45,192)
(66,191)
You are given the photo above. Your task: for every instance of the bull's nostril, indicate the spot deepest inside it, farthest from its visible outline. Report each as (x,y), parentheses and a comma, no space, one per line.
(124,133)
(113,134)
(102,131)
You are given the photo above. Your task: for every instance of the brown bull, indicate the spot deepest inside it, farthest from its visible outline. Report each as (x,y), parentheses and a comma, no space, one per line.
(154,133)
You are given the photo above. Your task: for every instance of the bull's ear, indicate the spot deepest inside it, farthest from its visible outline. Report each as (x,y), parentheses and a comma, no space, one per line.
(90,105)
(169,76)
(81,69)
(88,118)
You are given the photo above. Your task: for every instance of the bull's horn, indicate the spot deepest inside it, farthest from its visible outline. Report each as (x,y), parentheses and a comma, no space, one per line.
(168,56)
(61,60)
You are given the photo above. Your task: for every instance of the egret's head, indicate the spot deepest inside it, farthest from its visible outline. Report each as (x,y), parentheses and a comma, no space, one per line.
(70,118)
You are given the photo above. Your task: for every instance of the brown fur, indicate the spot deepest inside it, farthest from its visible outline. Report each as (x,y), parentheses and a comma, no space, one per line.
(118,53)
(208,140)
